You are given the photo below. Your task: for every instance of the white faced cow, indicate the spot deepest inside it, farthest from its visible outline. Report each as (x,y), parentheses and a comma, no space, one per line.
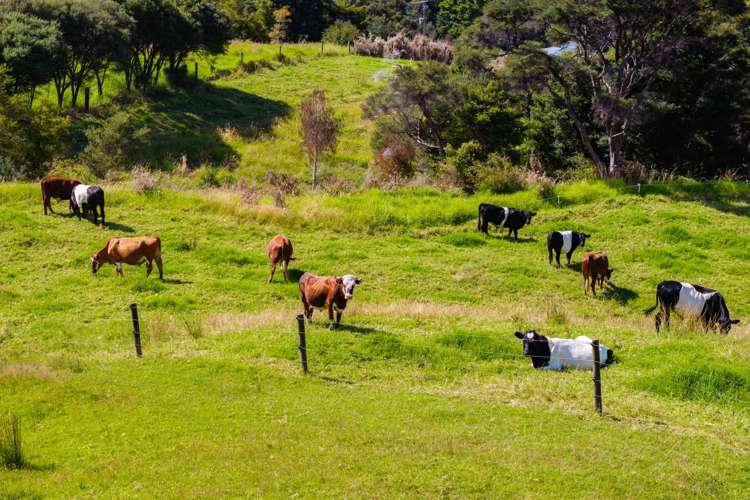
(692,302)
(326,292)
(564,242)
(559,354)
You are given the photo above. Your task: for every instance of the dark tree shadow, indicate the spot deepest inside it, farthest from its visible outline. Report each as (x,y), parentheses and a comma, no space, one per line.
(192,122)
(619,294)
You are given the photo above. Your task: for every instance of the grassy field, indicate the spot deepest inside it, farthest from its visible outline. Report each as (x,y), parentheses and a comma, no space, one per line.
(423,392)
(245,117)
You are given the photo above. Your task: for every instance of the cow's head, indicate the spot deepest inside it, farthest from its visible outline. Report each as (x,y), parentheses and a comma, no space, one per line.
(348,282)
(584,237)
(535,346)
(95,263)
(528,216)
(608,274)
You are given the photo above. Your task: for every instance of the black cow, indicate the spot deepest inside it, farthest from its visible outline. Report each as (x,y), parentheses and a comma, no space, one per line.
(86,197)
(510,218)
(692,302)
(564,242)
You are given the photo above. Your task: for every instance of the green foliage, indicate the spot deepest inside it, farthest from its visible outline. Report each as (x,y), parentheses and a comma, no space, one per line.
(114,143)
(11,444)
(453,16)
(341,33)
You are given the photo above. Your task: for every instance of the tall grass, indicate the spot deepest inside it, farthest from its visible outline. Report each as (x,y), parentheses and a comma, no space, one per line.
(11,444)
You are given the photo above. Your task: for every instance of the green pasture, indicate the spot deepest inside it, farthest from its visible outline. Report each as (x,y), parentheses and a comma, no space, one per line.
(422,393)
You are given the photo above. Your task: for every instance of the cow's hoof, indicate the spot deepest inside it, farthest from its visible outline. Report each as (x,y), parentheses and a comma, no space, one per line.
(331,327)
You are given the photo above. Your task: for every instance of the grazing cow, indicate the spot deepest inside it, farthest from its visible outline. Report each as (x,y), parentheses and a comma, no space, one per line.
(326,292)
(500,217)
(280,250)
(86,197)
(692,302)
(133,251)
(559,354)
(564,242)
(58,188)
(595,266)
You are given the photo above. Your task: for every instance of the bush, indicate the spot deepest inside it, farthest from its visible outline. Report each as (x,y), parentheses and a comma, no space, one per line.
(143,180)
(340,33)
(462,164)
(114,143)
(420,48)
(11,445)
(498,175)
(396,156)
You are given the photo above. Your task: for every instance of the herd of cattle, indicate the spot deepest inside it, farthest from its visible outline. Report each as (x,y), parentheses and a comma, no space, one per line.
(332,293)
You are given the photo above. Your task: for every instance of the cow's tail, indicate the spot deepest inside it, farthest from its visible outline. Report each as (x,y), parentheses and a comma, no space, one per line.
(652,309)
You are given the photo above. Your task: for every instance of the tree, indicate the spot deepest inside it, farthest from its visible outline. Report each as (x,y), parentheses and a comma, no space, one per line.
(280,30)
(453,16)
(341,33)
(422,100)
(32,49)
(617,47)
(319,129)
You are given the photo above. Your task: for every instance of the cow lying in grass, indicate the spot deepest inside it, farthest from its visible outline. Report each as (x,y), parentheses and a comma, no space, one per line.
(564,242)
(692,302)
(133,251)
(326,292)
(559,354)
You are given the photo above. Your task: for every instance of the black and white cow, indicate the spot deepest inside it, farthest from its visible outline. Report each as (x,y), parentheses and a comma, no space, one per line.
(510,218)
(85,197)
(564,242)
(692,302)
(558,354)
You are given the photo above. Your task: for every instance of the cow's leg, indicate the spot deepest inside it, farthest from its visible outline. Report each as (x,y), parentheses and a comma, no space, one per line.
(331,325)
(657,321)
(585,284)
(119,269)
(549,255)
(273,270)
(515,234)
(101,209)
(338,318)
(160,266)
(666,317)
(306,306)
(47,205)
(149,267)
(569,255)
(285,266)
(93,211)
(557,258)
(593,285)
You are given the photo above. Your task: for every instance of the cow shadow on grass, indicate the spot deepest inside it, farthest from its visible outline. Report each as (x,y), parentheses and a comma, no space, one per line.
(519,241)
(176,281)
(620,295)
(122,228)
(359,330)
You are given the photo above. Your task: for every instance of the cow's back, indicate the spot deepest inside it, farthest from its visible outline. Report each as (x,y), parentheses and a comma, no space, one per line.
(315,289)
(280,248)
(129,249)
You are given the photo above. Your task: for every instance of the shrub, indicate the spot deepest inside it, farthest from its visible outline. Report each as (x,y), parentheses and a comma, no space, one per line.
(498,175)
(340,33)
(462,163)
(249,194)
(113,144)
(143,180)
(400,46)
(396,156)
(11,445)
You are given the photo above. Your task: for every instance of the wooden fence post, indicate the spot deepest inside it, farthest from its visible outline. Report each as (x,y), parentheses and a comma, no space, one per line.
(136,329)
(597,378)
(196,70)
(242,58)
(302,342)
(321,46)
(86,98)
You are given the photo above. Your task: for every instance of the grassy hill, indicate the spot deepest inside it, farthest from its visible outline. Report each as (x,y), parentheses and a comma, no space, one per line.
(246,116)
(424,392)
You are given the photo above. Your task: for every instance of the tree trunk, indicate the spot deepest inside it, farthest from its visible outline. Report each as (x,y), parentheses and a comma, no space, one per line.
(600,166)
(315,172)
(60,87)
(615,142)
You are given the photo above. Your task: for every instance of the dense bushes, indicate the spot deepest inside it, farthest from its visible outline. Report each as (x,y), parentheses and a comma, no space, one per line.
(341,33)
(400,46)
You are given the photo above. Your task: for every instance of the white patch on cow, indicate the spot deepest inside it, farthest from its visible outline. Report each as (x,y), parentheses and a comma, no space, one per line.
(119,267)
(691,301)
(575,354)
(505,217)
(80,193)
(567,237)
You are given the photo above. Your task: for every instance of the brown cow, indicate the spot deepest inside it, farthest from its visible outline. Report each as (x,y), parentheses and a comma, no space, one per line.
(595,266)
(56,187)
(326,292)
(133,251)
(280,250)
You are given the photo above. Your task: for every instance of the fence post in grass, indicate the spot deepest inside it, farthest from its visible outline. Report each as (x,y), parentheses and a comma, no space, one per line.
(321,46)
(597,378)
(196,70)
(242,58)
(639,188)
(136,329)
(86,98)
(302,342)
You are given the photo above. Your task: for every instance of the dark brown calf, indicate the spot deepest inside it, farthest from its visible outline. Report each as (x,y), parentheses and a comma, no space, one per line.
(280,250)
(326,292)
(56,187)
(595,266)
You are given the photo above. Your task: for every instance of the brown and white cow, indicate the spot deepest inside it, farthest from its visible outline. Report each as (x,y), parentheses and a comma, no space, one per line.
(58,188)
(326,292)
(595,267)
(280,250)
(133,251)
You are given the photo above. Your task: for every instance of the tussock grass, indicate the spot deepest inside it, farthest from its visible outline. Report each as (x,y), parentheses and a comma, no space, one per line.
(11,445)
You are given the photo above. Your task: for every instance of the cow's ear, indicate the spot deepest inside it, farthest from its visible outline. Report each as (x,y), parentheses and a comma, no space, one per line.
(734,321)
(358,281)
(519,335)
(533,213)
(587,235)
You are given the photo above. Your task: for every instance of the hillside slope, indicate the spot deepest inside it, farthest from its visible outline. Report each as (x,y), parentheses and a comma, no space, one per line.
(424,392)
